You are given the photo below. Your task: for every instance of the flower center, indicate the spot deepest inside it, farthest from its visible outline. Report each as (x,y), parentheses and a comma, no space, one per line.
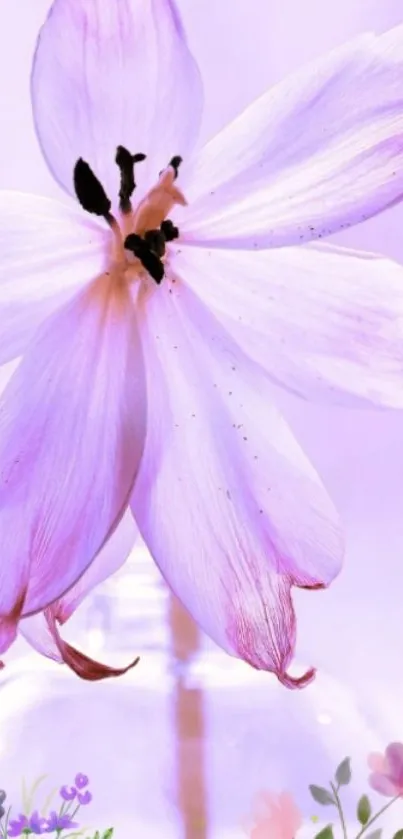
(145,230)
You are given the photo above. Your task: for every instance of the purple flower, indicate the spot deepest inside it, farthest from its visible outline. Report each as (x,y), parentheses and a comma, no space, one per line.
(16,826)
(84,797)
(37,823)
(58,822)
(251,193)
(81,780)
(68,793)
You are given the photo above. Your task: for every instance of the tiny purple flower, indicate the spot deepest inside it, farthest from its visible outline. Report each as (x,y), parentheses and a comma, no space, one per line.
(37,823)
(16,826)
(68,793)
(81,780)
(84,797)
(58,822)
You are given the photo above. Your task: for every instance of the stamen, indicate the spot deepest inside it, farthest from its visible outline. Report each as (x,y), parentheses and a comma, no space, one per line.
(169,230)
(156,241)
(90,191)
(149,260)
(175,162)
(126,161)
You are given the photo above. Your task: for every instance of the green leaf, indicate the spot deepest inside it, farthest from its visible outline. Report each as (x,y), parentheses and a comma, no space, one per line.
(326,833)
(343,772)
(398,835)
(108,833)
(364,810)
(376,834)
(321,795)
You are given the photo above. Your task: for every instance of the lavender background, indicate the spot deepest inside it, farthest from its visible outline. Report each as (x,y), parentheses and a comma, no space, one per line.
(180,749)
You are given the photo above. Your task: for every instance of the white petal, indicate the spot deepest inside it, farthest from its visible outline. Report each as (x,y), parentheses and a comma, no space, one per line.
(321,151)
(109,74)
(48,251)
(324,322)
(228,504)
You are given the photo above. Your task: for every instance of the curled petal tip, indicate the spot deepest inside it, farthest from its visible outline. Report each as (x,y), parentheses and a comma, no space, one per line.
(297,682)
(89,669)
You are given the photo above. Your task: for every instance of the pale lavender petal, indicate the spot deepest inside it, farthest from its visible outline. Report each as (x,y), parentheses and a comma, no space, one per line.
(72,426)
(109,74)
(48,252)
(41,630)
(110,559)
(382,784)
(324,322)
(225,499)
(321,151)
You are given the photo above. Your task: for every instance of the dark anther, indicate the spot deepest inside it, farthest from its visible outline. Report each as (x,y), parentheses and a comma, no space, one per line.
(175,163)
(90,191)
(156,242)
(126,162)
(150,261)
(169,231)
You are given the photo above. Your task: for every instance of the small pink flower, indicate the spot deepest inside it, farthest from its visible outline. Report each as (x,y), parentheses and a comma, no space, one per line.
(279,818)
(387,770)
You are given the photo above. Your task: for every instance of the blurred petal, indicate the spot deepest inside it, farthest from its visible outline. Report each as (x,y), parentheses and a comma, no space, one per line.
(86,797)
(72,425)
(377,762)
(291,817)
(67,793)
(129,80)
(42,633)
(382,784)
(394,759)
(324,322)
(321,151)
(243,517)
(48,252)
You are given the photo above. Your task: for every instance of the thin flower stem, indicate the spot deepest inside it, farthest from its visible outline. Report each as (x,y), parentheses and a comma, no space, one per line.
(340,810)
(376,816)
(4,827)
(75,811)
